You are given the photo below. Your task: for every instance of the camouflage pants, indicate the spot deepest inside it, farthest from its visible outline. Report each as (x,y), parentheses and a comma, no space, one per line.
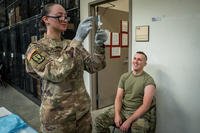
(83,125)
(103,121)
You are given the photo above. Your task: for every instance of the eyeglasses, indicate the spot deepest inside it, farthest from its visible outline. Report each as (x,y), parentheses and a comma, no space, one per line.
(60,18)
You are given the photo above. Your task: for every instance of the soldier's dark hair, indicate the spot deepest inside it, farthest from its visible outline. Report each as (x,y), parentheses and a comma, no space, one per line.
(45,11)
(140,52)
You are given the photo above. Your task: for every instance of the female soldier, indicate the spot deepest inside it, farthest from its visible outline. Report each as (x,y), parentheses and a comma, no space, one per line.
(65,106)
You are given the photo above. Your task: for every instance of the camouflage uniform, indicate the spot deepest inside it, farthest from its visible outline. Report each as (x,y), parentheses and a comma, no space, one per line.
(133,97)
(65,106)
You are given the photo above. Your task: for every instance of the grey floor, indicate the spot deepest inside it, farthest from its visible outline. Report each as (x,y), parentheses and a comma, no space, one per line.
(17,103)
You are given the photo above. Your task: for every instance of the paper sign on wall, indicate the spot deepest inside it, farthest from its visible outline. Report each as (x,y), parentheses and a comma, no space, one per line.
(142,33)
(124,40)
(115,39)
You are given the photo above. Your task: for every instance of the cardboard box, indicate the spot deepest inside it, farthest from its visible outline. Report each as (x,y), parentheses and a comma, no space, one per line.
(11,17)
(17,14)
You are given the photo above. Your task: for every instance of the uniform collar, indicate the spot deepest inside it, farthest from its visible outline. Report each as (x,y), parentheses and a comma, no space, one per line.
(137,75)
(53,42)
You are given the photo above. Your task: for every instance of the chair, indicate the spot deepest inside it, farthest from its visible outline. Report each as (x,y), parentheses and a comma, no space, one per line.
(114,126)
(1,80)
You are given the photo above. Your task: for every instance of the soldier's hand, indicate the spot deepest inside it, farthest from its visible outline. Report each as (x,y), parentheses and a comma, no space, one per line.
(125,126)
(100,37)
(118,120)
(83,29)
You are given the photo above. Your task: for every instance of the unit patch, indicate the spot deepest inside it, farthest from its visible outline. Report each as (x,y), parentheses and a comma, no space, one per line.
(38,58)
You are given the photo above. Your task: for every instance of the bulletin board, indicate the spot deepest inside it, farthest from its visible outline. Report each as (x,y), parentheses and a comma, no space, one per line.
(142,33)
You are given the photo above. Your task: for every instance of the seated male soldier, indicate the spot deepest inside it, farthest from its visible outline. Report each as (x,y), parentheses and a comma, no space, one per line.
(134,102)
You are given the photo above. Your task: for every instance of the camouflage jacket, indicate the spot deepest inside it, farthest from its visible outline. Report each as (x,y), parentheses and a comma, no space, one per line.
(60,65)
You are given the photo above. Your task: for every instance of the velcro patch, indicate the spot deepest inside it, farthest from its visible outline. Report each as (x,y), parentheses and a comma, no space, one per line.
(38,58)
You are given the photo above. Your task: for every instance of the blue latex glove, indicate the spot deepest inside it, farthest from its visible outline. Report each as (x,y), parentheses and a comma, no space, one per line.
(100,37)
(83,29)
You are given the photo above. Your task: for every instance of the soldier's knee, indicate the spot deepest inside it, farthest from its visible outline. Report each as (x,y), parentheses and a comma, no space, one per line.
(98,121)
(101,123)
(140,126)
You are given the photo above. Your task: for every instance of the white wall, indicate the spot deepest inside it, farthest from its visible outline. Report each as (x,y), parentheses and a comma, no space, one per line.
(173,52)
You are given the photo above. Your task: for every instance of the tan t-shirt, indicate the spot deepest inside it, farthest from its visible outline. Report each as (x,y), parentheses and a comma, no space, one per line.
(134,89)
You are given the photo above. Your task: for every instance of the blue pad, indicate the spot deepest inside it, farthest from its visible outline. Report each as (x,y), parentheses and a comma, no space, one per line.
(13,124)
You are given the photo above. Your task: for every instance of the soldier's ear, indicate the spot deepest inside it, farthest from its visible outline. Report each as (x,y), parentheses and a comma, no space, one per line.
(145,63)
(45,20)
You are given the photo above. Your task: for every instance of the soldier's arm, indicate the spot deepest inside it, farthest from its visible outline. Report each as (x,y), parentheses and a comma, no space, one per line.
(118,106)
(149,93)
(46,67)
(95,62)
(147,100)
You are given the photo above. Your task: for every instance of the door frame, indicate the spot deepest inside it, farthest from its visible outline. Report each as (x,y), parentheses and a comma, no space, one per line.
(94,77)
